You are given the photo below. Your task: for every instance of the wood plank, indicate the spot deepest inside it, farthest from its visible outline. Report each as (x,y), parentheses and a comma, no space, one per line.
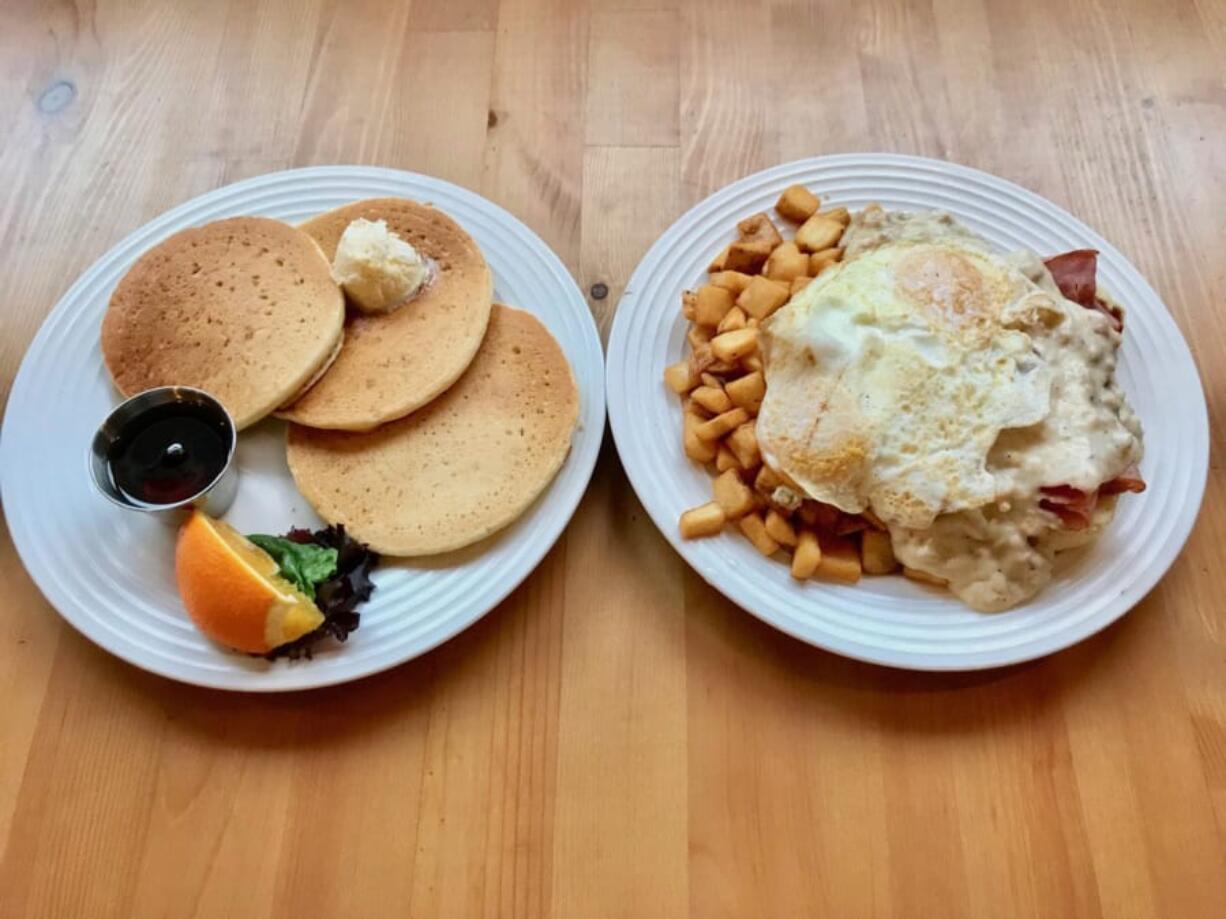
(632,94)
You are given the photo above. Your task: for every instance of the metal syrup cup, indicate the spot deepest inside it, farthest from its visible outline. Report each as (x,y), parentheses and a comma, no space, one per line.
(213,499)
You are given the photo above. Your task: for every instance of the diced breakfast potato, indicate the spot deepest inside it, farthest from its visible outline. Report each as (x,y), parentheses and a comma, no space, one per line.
(712,398)
(841,214)
(767,480)
(680,377)
(725,459)
(705,520)
(710,304)
(747,391)
(820,261)
(752,363)
(697,449)
(807,556)
(732,346)
(840,561)
(734,319)
(924,577)
(762,297)
(687,304)
(759,228)
(735,281)
(877,552)
(743,442)
(710,379)
(779,529)
(800,283)
(698,336)
(733,495)
(747,256)
(717,263)
(720,426)
(797,203)
(848,524)
(818,233)
(786,262)
(754,528)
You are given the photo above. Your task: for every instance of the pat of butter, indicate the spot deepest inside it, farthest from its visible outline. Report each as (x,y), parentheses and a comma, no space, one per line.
(377,269)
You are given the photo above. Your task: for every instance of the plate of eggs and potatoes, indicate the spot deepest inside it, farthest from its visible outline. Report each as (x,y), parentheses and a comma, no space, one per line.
(907,411)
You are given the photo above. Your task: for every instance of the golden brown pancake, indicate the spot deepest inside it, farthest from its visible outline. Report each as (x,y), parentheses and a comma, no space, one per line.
(394,363)
(243,308)
(459,469)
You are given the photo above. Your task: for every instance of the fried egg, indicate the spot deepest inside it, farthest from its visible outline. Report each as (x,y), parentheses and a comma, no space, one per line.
(891,376)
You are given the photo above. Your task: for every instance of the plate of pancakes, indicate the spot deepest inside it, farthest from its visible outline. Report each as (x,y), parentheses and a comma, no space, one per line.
(723,304)
(454,435)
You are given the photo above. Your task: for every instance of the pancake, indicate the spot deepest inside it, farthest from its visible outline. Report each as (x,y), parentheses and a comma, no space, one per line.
(243,308)
(459,469)
(394,363)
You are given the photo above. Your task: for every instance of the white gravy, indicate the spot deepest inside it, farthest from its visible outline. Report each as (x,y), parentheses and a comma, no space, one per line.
(999,555)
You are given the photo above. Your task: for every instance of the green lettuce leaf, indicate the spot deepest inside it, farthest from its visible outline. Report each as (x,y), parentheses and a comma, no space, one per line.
(302,564)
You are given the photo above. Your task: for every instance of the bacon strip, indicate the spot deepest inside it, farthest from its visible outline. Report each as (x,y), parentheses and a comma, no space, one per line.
(1075,273)
(1074,507)
(1129,480)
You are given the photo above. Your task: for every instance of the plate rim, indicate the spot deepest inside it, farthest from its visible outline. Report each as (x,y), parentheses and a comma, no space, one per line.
(234,680)
(621,426)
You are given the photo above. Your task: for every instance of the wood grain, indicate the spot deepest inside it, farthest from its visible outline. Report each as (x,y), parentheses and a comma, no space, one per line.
(616,739)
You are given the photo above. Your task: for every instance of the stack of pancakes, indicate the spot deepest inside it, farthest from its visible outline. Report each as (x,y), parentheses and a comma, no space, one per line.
(422,430)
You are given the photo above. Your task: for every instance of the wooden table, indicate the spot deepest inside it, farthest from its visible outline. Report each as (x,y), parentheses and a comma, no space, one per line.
(617,739)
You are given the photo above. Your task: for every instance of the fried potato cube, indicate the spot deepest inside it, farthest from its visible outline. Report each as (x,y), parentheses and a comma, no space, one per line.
(735,281)
(924,577)
(717,263)
(752,364)
(800,283)
(698,336)
(680,377)
(743,442)
(873,520)
(779,529)
(734,319)
(767,480)
(818,515)
(687,304)
(725,459)
(848,524)
(704,520)
(818,233)
(877,552)
(732,346)
(747,391)
(710,379)
(786,261)
(733,495)
(807,556)
(712,398)
(695,447)
(797,203)
(762,297)
(820,261)
(754,528)
(841,214)
(840,561)
(710,304)
(720,426)
(748,256)
(759,228)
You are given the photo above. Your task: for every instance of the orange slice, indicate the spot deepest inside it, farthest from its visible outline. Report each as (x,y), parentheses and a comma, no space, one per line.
(233,590)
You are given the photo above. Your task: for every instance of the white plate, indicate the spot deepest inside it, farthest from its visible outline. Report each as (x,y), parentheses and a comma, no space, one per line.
(109,572)
(891,620)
